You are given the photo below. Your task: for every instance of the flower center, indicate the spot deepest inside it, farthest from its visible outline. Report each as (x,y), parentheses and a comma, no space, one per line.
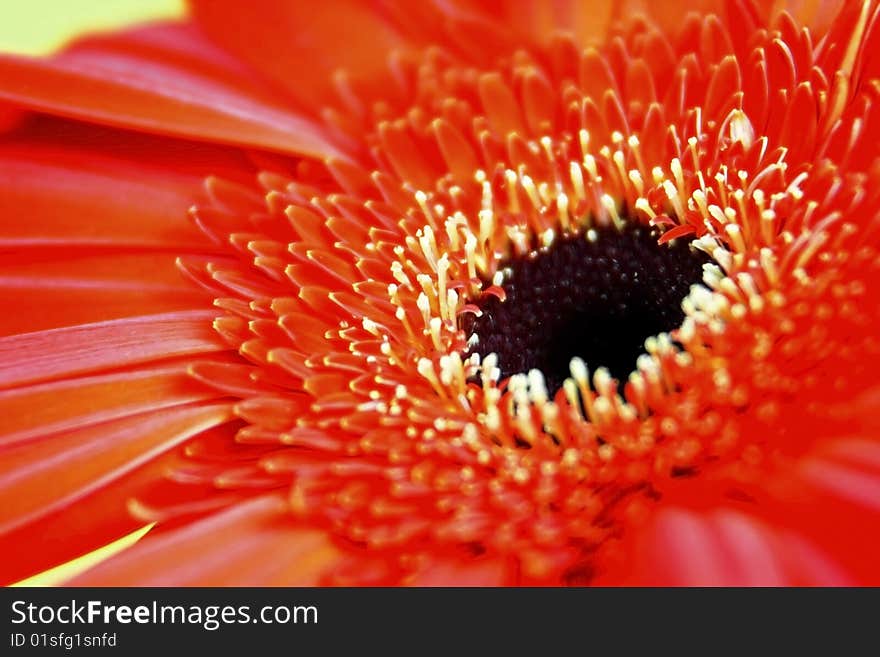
(596,296)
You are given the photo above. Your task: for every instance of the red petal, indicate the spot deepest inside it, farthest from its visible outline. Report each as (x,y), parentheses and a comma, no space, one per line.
(839,507)
(48,292)
(471,572)
(78,197)
(172,95)
(538,21)
(94,520)
(268,550)
(37,478)
(300,45)
(682,547)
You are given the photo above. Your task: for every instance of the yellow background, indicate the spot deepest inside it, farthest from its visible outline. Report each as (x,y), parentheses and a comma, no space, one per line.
(39,26)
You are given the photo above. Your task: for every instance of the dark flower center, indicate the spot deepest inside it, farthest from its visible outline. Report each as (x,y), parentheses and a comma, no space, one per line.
(597,295)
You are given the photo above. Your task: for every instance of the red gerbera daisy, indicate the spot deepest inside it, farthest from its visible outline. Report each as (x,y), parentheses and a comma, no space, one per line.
(474,293)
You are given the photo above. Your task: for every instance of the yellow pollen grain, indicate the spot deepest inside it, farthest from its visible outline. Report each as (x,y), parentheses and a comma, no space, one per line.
(545,193)
(592,169)
(658,175)
(521,475)
(734,232)
(741,129)
(442,273)
(577,181)
(487,225)
(674,198)
(611,207)
(512,197)
(570,457)
(643,206)
(562,210)
(606,452)
(531,191)
(584,140)
(635,177)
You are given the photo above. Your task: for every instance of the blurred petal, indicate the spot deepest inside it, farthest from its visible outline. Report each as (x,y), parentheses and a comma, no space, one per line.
(59,574)
(106,216)
(836,503)
(41,410)
(302,44)
(267,550)
(725,547)
(177,94)
(462,572)
(38,478)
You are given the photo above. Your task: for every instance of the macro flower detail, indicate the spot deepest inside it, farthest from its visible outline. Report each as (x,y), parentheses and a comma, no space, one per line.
(473,293)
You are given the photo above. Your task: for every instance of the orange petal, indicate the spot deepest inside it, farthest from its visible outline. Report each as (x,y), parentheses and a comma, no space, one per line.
(47,355)
(536,22)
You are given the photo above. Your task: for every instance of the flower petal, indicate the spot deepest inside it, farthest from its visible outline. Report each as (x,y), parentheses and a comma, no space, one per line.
(837,506)
(48,291)
(268,550)
(450,572)
(179,96)
(39,477)
(80,195)
(536,22)
(302,44)
(45,409)
(725,547)
(57,353)
(97,518)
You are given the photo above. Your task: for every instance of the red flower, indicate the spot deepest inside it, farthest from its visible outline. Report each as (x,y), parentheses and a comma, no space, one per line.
(412,217)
